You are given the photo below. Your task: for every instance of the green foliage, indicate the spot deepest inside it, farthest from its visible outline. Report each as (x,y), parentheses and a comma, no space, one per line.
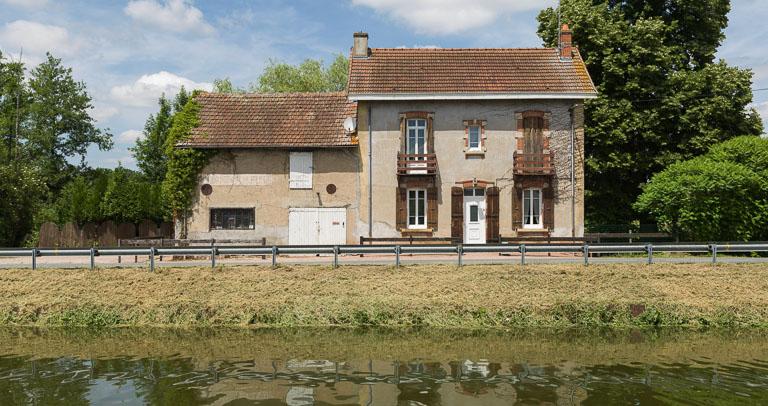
(59,124)
(21,186)
(148,151)
(184,164)
(309,76)
(662,98)
(129,198)
(722,195)
(225,86)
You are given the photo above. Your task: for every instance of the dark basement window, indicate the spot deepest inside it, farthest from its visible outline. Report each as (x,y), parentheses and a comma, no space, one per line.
(232,219)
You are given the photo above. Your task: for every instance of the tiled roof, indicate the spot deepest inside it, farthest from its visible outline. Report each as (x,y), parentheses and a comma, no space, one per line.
(280,120)
(393,71)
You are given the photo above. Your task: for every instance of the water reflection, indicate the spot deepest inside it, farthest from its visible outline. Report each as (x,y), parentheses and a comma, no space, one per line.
(132,366)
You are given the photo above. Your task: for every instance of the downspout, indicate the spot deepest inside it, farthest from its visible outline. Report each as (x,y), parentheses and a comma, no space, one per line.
(573,174)
(370,171)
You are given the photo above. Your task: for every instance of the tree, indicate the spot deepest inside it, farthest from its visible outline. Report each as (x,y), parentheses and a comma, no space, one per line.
(148,151)
(722,195)
(225,86)
(21,186)
(309,76)
(662,98)
(60,126)
(130,198)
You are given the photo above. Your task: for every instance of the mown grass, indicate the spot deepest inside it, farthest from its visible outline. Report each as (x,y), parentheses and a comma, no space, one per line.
(482,296)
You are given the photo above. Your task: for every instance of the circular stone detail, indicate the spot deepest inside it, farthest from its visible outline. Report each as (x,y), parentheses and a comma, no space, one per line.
(206,189)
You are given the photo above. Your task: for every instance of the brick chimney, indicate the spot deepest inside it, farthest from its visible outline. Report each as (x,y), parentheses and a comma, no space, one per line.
(360,45)
(566,47)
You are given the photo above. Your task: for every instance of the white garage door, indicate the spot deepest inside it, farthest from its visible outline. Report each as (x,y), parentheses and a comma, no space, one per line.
(317,226)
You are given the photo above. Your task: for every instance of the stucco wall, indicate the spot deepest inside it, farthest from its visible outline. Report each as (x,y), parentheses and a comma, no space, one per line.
(262,183)
(454,165)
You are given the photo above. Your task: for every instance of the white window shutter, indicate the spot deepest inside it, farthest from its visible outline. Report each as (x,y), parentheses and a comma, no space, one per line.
(301,170)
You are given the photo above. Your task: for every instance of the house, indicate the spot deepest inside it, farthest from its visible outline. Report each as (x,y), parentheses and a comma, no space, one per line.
(471,144)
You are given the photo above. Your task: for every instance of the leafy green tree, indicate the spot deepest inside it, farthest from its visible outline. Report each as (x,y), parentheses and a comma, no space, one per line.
(148,151)
(14,101)
(130,198)
(309,76)
(722,195)
(60,126)
(21,186)
(662,98)
(225,86)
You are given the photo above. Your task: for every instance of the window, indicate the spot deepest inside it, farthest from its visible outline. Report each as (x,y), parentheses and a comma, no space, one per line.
(232,219)
(417,208)
(300,176)
(474,192)
(474,213)
(416,141)
(532,208)
(474,141)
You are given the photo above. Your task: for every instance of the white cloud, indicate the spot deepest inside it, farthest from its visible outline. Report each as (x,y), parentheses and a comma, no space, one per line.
(172,15)
(147,89)
(35,39)
(441,17)
(31,4)
(129,136)
(100,112)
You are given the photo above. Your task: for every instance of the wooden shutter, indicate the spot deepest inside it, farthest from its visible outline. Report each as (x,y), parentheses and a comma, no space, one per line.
(432,208)
(457,213)
(401,206)
(533,135)
(517,208)
(549,207)
(403,135)
(492,214)
(300,176)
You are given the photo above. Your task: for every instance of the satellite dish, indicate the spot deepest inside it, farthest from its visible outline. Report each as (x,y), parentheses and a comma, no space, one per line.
(350,125)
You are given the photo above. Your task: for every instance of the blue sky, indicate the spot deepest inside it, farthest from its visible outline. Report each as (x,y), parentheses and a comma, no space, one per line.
(128,52)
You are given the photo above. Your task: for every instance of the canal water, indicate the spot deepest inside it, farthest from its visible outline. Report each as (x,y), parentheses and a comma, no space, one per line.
(381,367)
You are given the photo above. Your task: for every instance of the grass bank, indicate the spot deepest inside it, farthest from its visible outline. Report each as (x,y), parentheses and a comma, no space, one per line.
(480,296)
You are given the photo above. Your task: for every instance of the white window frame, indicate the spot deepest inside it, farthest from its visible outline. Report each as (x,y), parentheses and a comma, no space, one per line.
(419,194)
(300,177)
(479,146)
(528,211)
(416,124)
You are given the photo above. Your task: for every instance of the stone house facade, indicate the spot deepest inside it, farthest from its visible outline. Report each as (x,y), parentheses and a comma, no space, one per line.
(471,144)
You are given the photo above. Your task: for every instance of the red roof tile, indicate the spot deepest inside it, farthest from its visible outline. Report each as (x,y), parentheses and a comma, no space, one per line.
(393,71)
(280,120)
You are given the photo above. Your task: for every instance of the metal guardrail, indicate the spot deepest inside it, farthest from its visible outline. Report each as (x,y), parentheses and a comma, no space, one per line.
(213,252)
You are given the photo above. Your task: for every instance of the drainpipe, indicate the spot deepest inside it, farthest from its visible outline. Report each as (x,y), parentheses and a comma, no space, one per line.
(370,171)
(573,174)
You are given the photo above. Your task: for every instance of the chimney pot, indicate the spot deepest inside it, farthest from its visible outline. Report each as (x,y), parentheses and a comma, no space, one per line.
(566,47)
(360,45)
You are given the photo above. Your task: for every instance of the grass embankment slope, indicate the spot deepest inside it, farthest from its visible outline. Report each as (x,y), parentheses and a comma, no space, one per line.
(426,295)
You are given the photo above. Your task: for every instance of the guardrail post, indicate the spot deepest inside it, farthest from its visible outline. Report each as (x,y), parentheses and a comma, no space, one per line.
(522,254)
(460,251)
(397,256)
(713,247)
(151,259)
(586,254)
(213,257)
(649,249)
(92,262)
(335,256)
(34,258)
(274,256)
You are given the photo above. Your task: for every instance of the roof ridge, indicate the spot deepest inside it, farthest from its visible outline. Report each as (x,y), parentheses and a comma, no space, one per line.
(466,49)
(281,94)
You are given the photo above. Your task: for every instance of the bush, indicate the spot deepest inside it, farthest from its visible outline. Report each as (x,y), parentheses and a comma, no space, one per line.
(722,195)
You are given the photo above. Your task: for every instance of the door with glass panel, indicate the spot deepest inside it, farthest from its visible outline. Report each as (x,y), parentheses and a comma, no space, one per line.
(474,216)
(416,144)
(532,208)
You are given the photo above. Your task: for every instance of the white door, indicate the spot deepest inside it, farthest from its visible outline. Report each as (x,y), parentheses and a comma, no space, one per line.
(317,226)
(474,216)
